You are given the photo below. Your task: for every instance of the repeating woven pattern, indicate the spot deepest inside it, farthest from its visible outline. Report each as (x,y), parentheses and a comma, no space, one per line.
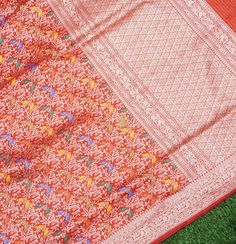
(75,164)
(182,74)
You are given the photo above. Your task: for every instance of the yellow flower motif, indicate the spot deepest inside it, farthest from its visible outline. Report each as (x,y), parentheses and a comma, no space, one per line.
(31,107)
(109,208)
(72,61)
(145,155)
(89,182)
(102,204)
(167,181)
(33,9)
(61,151)
(11,79)
(42,228)
(124,129)
(8,179)
(47,128)
(154,159)
(108,105)
(55,36)
(107,205)
(131,135)
(176,186)
(92,85)
(111,109)
(151,156)
(30,104)
(68,155)
(27,204)
(45,233)
(81,177)
(122,121)
(40,12)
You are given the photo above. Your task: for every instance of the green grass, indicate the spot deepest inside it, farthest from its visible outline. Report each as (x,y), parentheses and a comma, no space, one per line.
(216,227)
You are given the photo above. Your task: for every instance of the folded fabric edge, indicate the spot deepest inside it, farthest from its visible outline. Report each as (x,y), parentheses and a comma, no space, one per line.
(193,218)
(180,209)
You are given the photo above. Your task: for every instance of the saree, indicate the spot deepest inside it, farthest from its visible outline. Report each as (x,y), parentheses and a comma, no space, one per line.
(117,118)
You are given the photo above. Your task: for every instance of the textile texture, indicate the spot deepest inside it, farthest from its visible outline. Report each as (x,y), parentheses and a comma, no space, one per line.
(117,119)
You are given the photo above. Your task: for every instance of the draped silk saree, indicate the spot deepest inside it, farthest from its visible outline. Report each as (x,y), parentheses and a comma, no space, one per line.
(117,118)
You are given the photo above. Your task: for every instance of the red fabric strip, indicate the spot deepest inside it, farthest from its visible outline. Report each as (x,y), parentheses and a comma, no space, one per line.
(226,9)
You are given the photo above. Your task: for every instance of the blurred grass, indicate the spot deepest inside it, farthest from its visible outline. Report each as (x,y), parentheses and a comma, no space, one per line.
(216,227)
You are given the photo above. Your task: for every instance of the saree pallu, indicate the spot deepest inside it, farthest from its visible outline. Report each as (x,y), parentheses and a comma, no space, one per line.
(117,118)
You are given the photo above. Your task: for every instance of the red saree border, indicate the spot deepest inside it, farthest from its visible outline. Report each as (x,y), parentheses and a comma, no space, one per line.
(193,218)
(226,9)
(185,206)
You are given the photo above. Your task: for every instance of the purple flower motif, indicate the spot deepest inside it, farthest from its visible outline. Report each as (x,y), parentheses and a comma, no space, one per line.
(63,113)
(90,141)
(6,240)
(60,212)
(80,239)
(4,136)
(110,168)
(48,190)
(20,46)
(18,43)
(103,163)
(32,66)
(10,138)
(67,218)
(2,21)
(41,185)
(130,194)
(110,165)
(82,137)
(70,115)
(51,91)
(45,88)
(128,190)
(123,188)
(27,164)
(21,160)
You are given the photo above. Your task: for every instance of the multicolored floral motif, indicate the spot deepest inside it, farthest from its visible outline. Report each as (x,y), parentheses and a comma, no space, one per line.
(75,165)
